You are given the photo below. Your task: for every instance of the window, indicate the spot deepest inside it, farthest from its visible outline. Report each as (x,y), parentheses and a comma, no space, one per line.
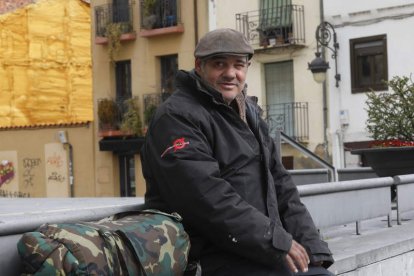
(123,80)
(275,21)
(121,11)
(369,68)
(279,93)
(121,14)
(127,175)
(158,14)
(169,68)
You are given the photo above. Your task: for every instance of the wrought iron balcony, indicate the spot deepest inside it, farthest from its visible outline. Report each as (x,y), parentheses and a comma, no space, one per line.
(279,26)
(291,118)
(113,113)
(159,14)
(113,14)
(151,102)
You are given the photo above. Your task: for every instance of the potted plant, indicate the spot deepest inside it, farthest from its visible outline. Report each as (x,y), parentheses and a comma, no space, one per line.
(391,124)
(149,113)
(131,120)
(149,17)
(113,34)
(107,114)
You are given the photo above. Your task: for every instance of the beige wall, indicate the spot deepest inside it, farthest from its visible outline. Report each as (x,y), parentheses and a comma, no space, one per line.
(306,89)
(144,53)
(46,87)
(41,162)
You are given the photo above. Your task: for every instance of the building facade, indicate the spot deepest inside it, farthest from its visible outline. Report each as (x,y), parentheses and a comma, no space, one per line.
(137,48)
(374,46)
(282,33)
(158,37)
(46,136)
(134,49)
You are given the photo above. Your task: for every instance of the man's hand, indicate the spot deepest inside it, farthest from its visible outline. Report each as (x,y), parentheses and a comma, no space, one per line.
(297,258)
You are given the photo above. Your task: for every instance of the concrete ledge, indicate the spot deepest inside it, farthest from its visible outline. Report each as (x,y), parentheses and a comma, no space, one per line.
(19,215)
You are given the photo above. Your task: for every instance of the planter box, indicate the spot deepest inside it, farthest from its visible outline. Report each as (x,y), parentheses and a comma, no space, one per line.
(389,161)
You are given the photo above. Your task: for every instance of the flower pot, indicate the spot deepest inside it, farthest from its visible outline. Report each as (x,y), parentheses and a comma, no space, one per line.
(389,161)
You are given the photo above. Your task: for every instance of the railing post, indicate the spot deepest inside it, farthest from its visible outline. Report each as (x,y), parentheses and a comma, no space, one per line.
(358,227)
(278,143)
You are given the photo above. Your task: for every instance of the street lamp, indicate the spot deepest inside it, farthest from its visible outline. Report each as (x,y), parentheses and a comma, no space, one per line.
(325,32)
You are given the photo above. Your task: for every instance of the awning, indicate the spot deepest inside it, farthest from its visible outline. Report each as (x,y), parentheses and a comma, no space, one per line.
(122,146)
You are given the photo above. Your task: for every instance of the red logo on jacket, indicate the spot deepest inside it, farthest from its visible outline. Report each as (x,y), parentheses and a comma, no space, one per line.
(178,144)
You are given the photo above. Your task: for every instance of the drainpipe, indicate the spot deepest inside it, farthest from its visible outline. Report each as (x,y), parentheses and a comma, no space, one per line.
(324,95)
(195,22)
(68,146)
(71,176)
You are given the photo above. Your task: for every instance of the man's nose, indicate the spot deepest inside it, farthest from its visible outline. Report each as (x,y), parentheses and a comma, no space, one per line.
(230,72)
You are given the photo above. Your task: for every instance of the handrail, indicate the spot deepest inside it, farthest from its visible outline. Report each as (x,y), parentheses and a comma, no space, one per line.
(333,174)
(344,186)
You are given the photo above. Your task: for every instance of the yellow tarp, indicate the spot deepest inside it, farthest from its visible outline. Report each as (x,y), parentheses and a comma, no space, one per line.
(45,64)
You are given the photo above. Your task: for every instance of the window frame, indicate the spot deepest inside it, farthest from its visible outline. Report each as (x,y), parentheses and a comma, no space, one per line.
(168,71)
(356,85)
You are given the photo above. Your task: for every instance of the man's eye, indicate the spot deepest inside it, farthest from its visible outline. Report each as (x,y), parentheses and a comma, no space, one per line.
(219,64)
(240,65)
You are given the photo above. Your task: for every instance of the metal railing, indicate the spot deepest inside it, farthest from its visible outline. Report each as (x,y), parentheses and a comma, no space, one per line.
(111,112)
(280,26)
(159,14)
(151,103)
(290,118)
(110,13)
(333,173)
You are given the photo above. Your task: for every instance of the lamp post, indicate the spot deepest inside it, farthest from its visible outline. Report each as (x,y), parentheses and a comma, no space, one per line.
(325,33)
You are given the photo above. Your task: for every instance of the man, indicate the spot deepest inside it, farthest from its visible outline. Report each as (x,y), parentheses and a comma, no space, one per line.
(209,157)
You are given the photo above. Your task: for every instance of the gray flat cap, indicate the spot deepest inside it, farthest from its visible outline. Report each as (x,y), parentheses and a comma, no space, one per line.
(223,41)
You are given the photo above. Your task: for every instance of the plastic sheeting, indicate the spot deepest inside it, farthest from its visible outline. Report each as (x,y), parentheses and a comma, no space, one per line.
(45,64)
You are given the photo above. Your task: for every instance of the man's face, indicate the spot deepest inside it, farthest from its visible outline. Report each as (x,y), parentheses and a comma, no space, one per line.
(227,74)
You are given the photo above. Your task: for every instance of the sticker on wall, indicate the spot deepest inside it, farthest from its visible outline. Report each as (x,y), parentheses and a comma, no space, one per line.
(9,176)
(6,172)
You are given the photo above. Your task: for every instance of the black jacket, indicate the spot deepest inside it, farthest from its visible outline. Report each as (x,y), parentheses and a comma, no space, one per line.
(224,177)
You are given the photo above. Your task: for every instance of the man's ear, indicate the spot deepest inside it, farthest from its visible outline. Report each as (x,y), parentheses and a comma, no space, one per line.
(197,65)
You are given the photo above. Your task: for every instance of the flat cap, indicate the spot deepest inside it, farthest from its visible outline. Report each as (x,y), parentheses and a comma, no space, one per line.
(223,41)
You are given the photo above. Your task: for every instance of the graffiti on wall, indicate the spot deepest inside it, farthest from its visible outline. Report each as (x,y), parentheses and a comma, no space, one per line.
(55,161)
(9,177)
(6,172)
(57,184)
(29,165)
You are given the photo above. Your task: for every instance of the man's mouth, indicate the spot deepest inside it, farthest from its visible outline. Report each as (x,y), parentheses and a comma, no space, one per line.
(228,85)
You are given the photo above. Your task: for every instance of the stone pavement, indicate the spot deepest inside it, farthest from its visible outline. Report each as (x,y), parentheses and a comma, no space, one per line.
(378,251)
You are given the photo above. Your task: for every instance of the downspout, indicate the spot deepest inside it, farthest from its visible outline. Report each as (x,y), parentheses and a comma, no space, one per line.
(324,95)
(71,175)
(195,22)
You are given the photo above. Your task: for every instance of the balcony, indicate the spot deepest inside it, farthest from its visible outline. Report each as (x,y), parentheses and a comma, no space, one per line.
(159,17)
(120,125)
(151,102)
(291,118)
(282,26)
(113,15)
(115,117)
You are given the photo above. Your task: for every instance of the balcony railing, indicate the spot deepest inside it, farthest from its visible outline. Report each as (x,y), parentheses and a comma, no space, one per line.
(113,113)
(110,13)
(151,102)
(159,14)
(291,118)
(279,26)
